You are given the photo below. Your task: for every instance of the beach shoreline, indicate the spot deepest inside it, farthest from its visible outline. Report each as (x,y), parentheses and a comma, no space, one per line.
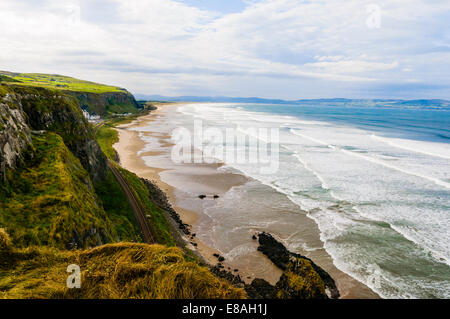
(204,179)
(127,148)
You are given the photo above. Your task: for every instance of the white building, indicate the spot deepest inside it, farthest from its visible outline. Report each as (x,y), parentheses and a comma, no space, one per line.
(90,117)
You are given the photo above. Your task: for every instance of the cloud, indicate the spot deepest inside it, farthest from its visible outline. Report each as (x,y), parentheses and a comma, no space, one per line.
(173,47)
(352,66)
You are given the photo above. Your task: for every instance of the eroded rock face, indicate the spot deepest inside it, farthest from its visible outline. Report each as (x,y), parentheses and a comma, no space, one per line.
(62,114)
(14,134)
(37,109)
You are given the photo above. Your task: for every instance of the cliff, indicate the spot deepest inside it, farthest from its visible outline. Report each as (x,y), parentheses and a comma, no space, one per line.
(14,133)
(54,174)
(106,103)
(29,108)
(50,200)
(58,201)
(99,99)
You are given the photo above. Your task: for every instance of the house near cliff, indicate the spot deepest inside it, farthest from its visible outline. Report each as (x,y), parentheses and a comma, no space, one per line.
(90,117)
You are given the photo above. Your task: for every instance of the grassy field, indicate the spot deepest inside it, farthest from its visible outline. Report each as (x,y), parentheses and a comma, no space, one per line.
(59,82)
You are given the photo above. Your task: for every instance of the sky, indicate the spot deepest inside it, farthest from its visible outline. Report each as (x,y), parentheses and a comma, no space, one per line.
(288,49)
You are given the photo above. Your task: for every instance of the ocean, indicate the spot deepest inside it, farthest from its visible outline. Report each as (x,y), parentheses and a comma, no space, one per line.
(373,177)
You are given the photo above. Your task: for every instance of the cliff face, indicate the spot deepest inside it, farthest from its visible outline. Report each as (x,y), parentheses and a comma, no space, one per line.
(41,109)
(51,166)
(14,133)
(101,104)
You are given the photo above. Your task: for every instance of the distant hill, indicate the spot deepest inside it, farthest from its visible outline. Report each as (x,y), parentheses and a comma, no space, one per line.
(433,103)
(216,99)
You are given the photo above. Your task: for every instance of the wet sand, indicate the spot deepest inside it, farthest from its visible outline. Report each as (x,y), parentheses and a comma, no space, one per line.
(198,178)
(182,184)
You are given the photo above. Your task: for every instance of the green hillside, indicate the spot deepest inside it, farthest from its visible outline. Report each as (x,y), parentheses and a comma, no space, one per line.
(98,99)
(44,201)
(59,82)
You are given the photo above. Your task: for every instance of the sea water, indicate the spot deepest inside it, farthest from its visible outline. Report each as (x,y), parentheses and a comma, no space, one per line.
(375,178)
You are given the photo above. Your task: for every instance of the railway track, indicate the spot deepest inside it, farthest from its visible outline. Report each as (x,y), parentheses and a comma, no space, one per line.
(136,206)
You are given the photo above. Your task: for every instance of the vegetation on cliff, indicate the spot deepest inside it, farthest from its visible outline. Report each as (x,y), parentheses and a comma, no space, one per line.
(124,270)
(4,78)
(106,138)
(49,203)
(96,98)
(54,111)
(118,209)
(52,197)
(61,205)
(160,227)
(54,81)
(159,224)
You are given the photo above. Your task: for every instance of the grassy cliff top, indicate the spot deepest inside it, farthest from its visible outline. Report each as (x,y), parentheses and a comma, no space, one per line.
(58,82)
(113,271)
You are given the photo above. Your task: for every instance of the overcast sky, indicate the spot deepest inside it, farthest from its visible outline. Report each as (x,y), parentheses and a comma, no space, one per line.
(272,48)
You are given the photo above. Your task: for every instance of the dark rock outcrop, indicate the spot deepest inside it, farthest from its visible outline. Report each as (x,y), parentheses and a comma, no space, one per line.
(222,273)
(296,265)
(260,289)
(90,236)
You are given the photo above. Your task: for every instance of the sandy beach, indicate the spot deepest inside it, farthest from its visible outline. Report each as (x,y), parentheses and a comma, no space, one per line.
(183,183)
(204,178)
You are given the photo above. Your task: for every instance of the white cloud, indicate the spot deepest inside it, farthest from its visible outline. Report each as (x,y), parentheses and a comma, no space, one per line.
(168,47)
(352,66)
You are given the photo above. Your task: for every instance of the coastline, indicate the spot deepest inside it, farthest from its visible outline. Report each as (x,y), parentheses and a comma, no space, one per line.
(130,144)
(206,179)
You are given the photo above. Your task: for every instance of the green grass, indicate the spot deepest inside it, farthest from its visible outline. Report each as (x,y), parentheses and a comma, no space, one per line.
(44,201)
(159,225)
(59,82)
(122,108)
(161,229)
(114,120)
(4,78)
(106,138)
(103,100)
(117,208)
(112,271)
